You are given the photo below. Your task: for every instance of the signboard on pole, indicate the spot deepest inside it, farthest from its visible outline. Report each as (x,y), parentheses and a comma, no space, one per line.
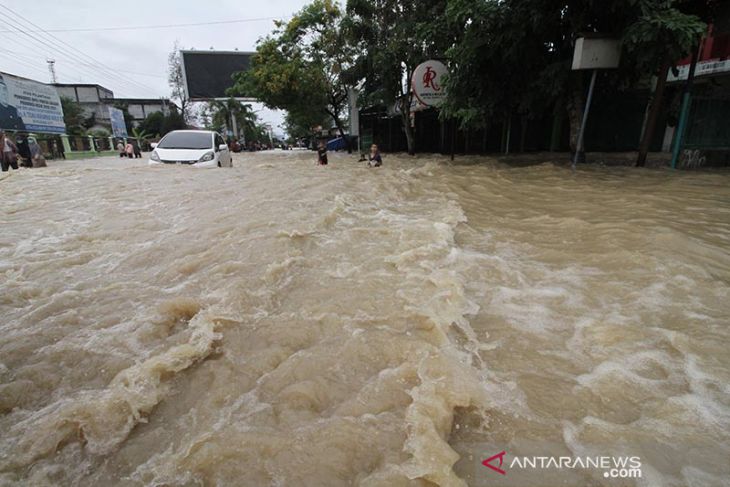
(119,128)
(596,53)
(28,105)
(428,83)
(704,68)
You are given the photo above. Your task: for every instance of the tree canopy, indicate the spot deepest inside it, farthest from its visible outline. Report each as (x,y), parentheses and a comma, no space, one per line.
(391,38)
(73,116)
(176,81)
(505,57)
(514,56)
(302,68)
(157,124)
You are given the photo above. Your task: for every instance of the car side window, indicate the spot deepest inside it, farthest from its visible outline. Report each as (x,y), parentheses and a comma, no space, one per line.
(218,141)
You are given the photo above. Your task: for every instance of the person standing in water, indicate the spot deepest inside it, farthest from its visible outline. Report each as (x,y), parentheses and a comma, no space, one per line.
(129,150)
(322,154)
(9,154)
(374,158)
(36,153)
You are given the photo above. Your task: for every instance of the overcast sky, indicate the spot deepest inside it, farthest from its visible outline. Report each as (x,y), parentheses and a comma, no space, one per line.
(138,57)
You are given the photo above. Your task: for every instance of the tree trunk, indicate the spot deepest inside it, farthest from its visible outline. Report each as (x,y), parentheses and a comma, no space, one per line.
(406,118)
(346,138)
(575,108)
(509,135)
(523,133)
(555,135)
(484,139)
(654,107)
(341,130)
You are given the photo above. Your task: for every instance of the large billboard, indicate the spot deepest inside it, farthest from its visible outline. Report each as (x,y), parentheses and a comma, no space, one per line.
(119,128)
(208,74)
(29,106)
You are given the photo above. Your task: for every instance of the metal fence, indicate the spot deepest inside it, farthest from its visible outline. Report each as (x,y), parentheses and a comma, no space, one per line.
(102,143)
(708,125)
(80,143)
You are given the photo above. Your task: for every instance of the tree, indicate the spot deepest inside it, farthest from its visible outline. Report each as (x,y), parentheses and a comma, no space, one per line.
(257,133)
(99,133)
(140,134)
(73,116)
(176,81)
(299,125)
(153,123)
(172,121)
(221,113)
(89,121)
(494,58)
(392,38)
(302,67)
(516,54)
(659,38)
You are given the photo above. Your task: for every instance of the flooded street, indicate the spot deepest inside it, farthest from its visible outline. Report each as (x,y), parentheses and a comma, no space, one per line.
(280,323)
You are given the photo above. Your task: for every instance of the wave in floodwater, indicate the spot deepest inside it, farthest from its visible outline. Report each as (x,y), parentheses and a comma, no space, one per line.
(281,323)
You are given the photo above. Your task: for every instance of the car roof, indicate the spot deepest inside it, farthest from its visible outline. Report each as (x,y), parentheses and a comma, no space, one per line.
(194,131)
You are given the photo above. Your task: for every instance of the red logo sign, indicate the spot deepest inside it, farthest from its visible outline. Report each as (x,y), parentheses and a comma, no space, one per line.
(429,79)
(487,462)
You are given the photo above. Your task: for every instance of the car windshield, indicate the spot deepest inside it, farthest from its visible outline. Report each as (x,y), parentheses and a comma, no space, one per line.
(186,140)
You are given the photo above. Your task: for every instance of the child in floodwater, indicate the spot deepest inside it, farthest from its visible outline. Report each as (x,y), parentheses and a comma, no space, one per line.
(322,154)
(374,158)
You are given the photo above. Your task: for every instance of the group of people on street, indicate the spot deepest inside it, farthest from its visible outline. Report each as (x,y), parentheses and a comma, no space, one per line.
(128,150)
(25,151)
(374,158)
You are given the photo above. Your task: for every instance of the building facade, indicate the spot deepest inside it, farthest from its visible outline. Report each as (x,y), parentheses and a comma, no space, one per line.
(96,100)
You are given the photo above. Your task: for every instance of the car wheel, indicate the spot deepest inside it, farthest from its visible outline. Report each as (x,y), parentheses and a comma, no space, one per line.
(219,163)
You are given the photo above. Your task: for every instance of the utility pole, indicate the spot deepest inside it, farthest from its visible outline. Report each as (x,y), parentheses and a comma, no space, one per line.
(52,70)
(579,148)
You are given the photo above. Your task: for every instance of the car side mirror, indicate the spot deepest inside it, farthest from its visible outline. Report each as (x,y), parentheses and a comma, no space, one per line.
(222,147)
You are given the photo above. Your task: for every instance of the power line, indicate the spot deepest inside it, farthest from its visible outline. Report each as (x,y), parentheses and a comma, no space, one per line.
(160,26)
(25,64)
(81,65)
(101,66)
(49,48)
(26,56)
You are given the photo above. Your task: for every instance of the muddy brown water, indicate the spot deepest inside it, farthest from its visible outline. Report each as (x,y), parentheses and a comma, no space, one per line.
(281,323)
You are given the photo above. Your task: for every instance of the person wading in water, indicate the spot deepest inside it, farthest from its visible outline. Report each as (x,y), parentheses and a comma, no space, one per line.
(374,158)
(322,154)
(9,153)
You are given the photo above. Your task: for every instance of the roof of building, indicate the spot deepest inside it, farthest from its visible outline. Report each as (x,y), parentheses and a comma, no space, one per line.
(85,85)
(148,101)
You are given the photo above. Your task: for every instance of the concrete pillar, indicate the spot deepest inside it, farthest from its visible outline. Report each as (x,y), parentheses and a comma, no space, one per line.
(65,143)
(111,143)
(92,146)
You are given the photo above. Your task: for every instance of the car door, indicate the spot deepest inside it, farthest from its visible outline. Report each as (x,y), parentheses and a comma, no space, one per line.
(225,156)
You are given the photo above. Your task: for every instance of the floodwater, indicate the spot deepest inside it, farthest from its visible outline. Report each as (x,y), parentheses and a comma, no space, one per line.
(281,323)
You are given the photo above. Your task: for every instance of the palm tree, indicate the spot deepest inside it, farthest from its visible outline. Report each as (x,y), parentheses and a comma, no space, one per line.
(222,111)
(141,135)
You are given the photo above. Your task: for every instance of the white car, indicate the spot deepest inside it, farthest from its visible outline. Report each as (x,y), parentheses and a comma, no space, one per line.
(197,148)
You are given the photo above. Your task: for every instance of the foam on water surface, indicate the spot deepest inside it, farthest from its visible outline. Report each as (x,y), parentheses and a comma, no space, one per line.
(285,324)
